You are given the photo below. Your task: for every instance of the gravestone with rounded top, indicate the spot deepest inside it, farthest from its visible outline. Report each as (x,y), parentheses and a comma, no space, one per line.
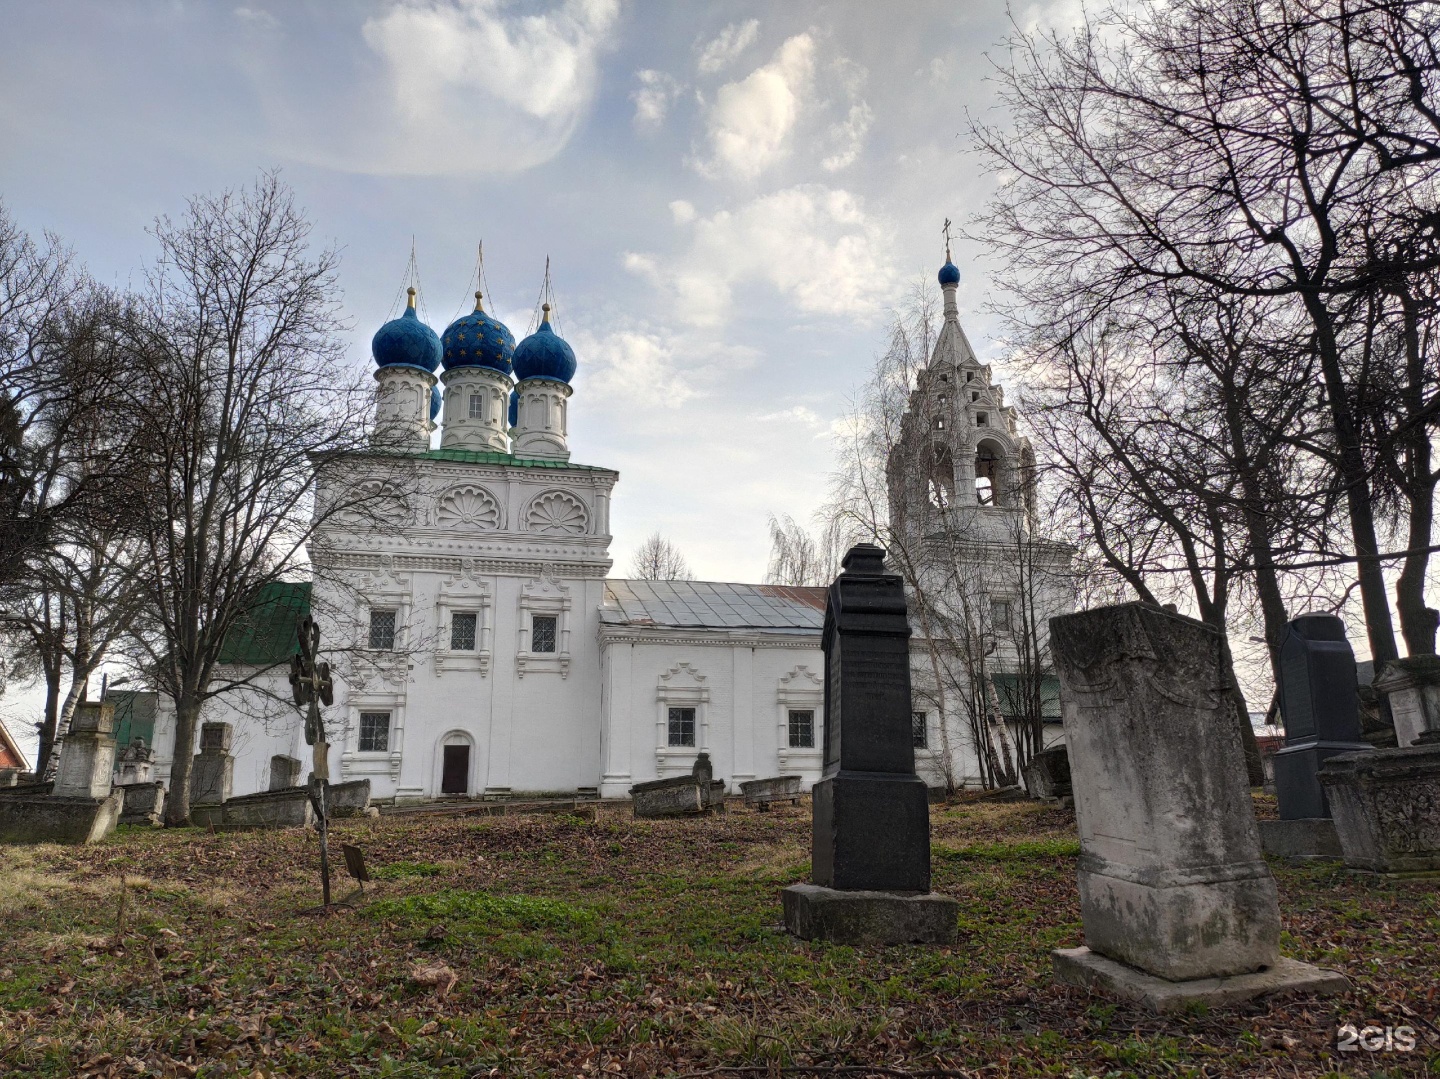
(212,778)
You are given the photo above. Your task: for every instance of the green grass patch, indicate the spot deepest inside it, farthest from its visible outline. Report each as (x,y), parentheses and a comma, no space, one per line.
(497,911)
(1027,850)
(406,870)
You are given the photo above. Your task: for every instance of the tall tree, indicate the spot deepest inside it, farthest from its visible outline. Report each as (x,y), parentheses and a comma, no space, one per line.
(657,559)
(240,401)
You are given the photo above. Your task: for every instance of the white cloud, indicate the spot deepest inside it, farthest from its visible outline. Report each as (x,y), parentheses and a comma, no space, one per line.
(682,211)
(797,414)
(750,124)
(257,17)
(849,136)
(463,87)
(653,99)
(815,245)
(725,47)
(633,367)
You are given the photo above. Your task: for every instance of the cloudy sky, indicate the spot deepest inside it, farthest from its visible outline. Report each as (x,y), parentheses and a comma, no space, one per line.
(730,194)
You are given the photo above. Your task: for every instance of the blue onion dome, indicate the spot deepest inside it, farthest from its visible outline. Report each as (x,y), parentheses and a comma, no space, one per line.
(435,402)
(477,340)
(544,354)
(514,408)
(949,273)
(406,342)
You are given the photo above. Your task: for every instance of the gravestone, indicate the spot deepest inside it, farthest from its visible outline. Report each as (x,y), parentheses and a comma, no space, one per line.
(9,777)
(870,844)
(1320,708)
(1387,808)
(1047,774)
(80,806)
(212,777)
(1412,685)
(87,756)
(1177,902)
(702,770)
(134,763)
(284,772)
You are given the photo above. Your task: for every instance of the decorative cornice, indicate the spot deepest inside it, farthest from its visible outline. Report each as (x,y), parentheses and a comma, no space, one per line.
(562,569)
(803,639)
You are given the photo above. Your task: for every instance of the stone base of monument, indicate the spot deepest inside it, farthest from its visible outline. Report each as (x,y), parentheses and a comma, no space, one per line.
(680,796)
(268,809)
(1091,970)
(144,803)
(1311,839)
(815,913)
(1384,805)
(59,820)
(350,799)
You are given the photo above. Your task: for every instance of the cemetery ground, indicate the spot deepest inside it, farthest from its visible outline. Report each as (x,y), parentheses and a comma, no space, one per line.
(552,945)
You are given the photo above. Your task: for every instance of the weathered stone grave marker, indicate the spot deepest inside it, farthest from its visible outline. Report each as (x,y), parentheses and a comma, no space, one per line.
(870,848)
(80,806)
(284,772)
(212,777)
(1177,901)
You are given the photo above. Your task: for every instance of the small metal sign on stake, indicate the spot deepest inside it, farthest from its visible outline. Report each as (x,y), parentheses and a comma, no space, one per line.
(355,865)
(311,686)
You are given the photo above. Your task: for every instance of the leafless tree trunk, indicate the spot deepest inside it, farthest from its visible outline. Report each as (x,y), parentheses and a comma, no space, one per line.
(657,559)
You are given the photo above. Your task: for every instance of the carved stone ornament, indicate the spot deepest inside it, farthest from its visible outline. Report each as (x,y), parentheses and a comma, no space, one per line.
(557,513)
(470,505)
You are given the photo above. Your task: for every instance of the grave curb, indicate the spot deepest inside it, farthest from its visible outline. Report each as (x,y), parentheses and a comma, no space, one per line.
(1090,970)
(813,912)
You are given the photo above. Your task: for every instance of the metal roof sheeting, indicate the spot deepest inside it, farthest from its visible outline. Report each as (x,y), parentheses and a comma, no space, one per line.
(712,605)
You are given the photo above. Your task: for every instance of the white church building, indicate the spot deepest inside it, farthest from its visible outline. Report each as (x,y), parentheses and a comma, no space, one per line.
(479,645)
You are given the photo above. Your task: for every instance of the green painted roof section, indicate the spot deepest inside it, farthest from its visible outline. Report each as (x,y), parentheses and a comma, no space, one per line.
(1010,692)
(266,633)
(490,457)
(134,714)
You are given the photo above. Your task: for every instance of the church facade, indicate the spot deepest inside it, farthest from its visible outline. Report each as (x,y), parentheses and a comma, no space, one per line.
(479,646)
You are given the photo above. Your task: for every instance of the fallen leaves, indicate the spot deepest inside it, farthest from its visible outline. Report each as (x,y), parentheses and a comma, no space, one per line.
(437,975)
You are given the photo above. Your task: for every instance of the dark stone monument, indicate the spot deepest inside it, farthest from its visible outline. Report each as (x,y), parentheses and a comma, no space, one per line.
(1320,708)
(870,848)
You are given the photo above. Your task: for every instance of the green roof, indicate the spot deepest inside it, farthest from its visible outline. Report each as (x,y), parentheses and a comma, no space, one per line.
(265,634)
(134,714)
(490,457)
(1010,692)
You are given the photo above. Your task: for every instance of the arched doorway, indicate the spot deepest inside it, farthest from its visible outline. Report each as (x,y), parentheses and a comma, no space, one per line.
(455,765)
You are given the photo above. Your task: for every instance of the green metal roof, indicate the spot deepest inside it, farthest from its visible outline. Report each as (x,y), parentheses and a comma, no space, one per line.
(134,714)
(490,457)
(266,633)
(1010,691)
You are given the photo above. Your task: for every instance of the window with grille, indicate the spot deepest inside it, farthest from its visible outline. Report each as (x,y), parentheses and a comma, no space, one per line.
(462,631)
(477,409)
(542,633)
(374,732)
(382,629)
(1000,613)
(682,726)
(919,729)
(802,728)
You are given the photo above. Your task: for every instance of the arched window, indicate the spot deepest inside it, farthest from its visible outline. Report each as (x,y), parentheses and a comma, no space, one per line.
(987,475)
(941,483)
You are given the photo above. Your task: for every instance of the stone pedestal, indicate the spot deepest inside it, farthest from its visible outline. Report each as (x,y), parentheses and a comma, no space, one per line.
(871,827)
(47,819)
(212,776)
(1412,685)
(1172,882)
(87,756)
(134,764)
(284,772)
(1386,807)
(1047,775)
(1306,840)
(144,803)
(1320,707)
(679,796)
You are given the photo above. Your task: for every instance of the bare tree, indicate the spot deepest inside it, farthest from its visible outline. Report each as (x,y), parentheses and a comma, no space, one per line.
(657,559)
(799,558)
(240,402)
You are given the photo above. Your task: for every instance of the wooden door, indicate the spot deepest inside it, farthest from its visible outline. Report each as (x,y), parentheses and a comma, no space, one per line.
(455,776)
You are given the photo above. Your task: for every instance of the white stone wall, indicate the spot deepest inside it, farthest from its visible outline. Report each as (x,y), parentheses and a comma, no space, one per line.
(742,688)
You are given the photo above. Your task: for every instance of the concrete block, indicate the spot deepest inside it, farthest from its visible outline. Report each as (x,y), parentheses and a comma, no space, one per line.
(1091,970)
(866,917)
(1311,839)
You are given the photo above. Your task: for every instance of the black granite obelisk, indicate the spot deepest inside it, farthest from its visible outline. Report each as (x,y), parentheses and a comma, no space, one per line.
(870,847)
(1319,703)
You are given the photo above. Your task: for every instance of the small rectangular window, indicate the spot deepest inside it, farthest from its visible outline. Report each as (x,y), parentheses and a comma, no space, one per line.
(682,726)
(1000,613)
(939,423)
(462,631)
(542,633)
(980,419)
(969,376)
(374,732)
(476,407)
(919,729)
(382,629)
(974,395)
(802,728)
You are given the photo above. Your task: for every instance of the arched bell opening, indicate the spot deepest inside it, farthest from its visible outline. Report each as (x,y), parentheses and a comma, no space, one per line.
(990,475)
(940,485)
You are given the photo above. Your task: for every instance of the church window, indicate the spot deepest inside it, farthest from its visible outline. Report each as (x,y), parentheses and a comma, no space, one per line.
(919,729)
(987,467)
(462,631)
(682,726)
(382,629)
(941,482)
(941,400)
(969,376)
(1000,613)
(939,423)
(542,633)
(374,732)
(802,728)
(477,409)
(974,395)
(981,419)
